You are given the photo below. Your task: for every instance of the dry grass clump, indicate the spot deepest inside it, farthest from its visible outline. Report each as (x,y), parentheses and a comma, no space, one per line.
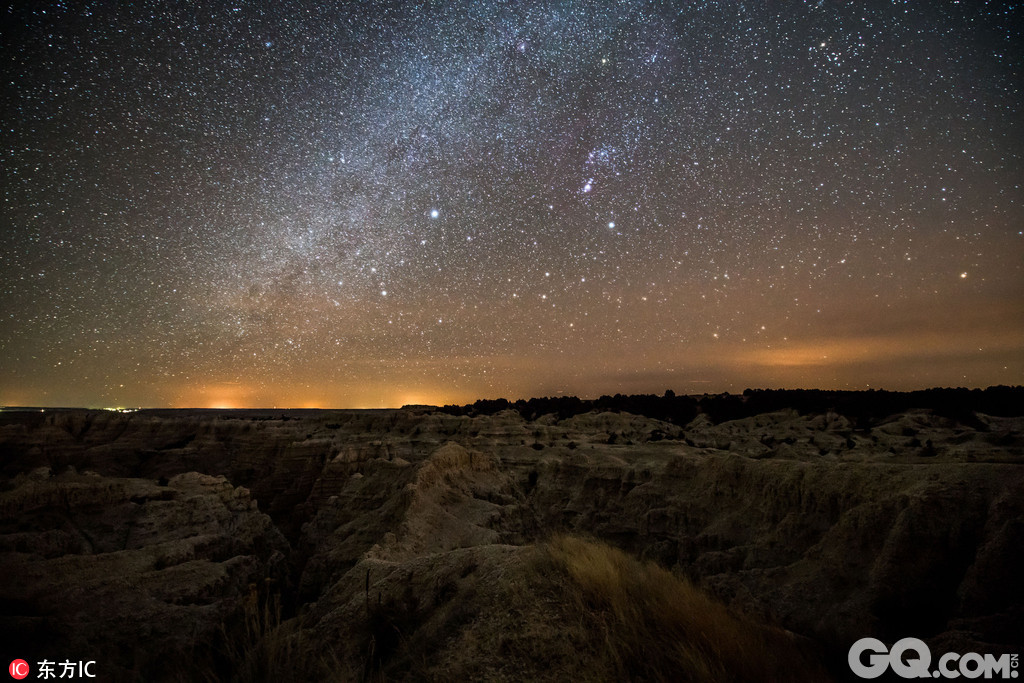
(264,647)
(571,609)
(660,627)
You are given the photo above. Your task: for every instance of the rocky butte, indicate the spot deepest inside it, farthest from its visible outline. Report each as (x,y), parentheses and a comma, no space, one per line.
(712,538)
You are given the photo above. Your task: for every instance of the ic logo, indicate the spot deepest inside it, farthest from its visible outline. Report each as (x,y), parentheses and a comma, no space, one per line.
(19,669)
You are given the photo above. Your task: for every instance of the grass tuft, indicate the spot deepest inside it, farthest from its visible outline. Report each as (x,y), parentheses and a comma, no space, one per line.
(657,626)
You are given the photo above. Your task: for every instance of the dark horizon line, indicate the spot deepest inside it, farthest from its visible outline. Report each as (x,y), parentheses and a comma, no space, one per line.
(126,409)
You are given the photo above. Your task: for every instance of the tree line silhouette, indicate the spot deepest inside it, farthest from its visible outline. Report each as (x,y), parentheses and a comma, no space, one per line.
(863,408)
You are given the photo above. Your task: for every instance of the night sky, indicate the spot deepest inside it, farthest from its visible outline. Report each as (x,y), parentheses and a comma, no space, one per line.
(300,204)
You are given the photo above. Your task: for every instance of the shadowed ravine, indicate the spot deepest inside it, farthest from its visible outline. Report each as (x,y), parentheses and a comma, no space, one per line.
(417,544)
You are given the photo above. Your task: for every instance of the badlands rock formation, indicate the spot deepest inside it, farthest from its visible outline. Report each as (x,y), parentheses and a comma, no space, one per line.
(409,544)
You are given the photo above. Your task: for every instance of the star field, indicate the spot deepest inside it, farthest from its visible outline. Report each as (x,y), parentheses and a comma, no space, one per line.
(256,204)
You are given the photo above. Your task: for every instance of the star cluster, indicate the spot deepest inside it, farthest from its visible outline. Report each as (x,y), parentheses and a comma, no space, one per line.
(292,203)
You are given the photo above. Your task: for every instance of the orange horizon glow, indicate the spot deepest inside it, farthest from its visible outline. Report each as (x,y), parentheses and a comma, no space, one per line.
(967,351)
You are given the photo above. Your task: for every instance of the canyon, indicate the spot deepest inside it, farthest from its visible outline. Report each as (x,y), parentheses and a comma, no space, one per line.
(408,544)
